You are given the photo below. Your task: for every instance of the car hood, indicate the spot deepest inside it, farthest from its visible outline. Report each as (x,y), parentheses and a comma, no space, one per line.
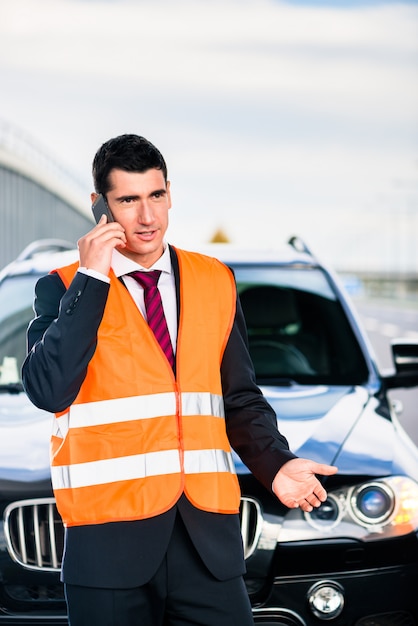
(335,425)
(25,432)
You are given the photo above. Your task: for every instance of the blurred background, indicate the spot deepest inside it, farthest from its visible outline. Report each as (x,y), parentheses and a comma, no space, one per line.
(276,118)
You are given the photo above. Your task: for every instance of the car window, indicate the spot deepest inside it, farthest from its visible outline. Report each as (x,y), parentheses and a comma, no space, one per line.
(16,300)
(297,328)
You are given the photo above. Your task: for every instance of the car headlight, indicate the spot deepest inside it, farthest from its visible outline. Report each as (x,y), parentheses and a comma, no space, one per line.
(328,514)
(376,509)
(372,503)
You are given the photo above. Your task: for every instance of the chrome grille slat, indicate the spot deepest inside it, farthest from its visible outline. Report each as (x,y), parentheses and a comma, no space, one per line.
(52,542)
(245,525)
(21,534)
(38,552)
(34,534)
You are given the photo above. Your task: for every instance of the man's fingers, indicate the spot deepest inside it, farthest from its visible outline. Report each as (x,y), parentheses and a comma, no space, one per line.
(320,493)
(325,470)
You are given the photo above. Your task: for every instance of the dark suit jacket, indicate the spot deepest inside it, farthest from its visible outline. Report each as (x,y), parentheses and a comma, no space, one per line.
(61,341)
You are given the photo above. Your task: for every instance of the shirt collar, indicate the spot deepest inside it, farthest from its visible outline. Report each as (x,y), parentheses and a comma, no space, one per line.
(122,265)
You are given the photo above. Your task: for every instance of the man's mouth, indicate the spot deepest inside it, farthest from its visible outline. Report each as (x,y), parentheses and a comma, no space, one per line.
(146,234)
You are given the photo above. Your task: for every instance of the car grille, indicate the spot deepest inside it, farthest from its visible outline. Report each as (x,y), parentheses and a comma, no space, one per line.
(34,534)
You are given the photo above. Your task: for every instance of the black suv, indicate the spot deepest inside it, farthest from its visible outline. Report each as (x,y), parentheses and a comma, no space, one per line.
(353,561)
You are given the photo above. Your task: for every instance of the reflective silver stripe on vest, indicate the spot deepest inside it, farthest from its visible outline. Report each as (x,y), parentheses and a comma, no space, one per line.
(202,461)
(202,404)
(137,408)
(140,466)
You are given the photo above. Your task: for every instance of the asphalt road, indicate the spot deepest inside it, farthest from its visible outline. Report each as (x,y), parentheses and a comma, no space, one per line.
(384,321)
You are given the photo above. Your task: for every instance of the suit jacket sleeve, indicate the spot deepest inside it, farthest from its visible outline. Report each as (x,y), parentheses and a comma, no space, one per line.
(251,422)
(62,339)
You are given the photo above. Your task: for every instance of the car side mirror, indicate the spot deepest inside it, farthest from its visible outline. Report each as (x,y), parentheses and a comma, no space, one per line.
(405,358)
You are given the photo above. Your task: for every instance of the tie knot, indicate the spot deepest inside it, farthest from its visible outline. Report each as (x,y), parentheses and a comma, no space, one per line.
(146,279)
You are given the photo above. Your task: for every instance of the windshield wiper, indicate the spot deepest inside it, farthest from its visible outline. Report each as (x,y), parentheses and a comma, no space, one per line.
(11,387)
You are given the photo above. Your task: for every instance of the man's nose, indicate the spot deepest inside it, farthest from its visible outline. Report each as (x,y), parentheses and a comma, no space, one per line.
(145,212)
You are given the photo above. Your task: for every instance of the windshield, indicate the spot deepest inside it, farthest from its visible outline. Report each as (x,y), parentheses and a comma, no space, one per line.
(297,328)
(16,299)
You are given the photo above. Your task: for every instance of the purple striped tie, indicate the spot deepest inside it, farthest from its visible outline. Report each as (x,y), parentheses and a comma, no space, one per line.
(155,312)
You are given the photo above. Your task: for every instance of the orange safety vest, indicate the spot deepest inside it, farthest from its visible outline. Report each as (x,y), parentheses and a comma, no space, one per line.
(136,437)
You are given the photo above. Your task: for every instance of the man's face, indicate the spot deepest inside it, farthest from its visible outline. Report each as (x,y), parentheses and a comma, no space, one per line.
(140,203)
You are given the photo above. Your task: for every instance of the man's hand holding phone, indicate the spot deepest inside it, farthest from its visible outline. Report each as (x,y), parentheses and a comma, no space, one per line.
(100,207)
(96,247)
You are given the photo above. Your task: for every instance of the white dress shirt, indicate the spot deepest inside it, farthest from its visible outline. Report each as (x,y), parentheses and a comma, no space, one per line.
(122,266)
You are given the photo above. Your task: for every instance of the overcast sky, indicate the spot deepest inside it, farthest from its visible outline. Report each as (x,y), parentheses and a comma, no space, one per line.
(276,118)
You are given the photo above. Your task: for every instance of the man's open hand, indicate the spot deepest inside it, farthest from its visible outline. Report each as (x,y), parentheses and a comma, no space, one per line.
(296,484)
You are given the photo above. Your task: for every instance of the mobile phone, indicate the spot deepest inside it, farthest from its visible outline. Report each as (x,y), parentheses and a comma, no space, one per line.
(100,208)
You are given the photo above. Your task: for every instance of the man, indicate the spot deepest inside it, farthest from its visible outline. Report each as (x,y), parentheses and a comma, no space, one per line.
(141,460)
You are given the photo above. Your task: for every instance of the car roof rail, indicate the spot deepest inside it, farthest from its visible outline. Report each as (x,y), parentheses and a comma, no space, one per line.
(42,246)
(299,245)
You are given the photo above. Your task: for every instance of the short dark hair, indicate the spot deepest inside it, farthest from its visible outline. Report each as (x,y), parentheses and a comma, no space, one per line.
(130,153)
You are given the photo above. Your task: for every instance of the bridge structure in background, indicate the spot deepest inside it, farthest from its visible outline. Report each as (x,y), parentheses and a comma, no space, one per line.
(38,198)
